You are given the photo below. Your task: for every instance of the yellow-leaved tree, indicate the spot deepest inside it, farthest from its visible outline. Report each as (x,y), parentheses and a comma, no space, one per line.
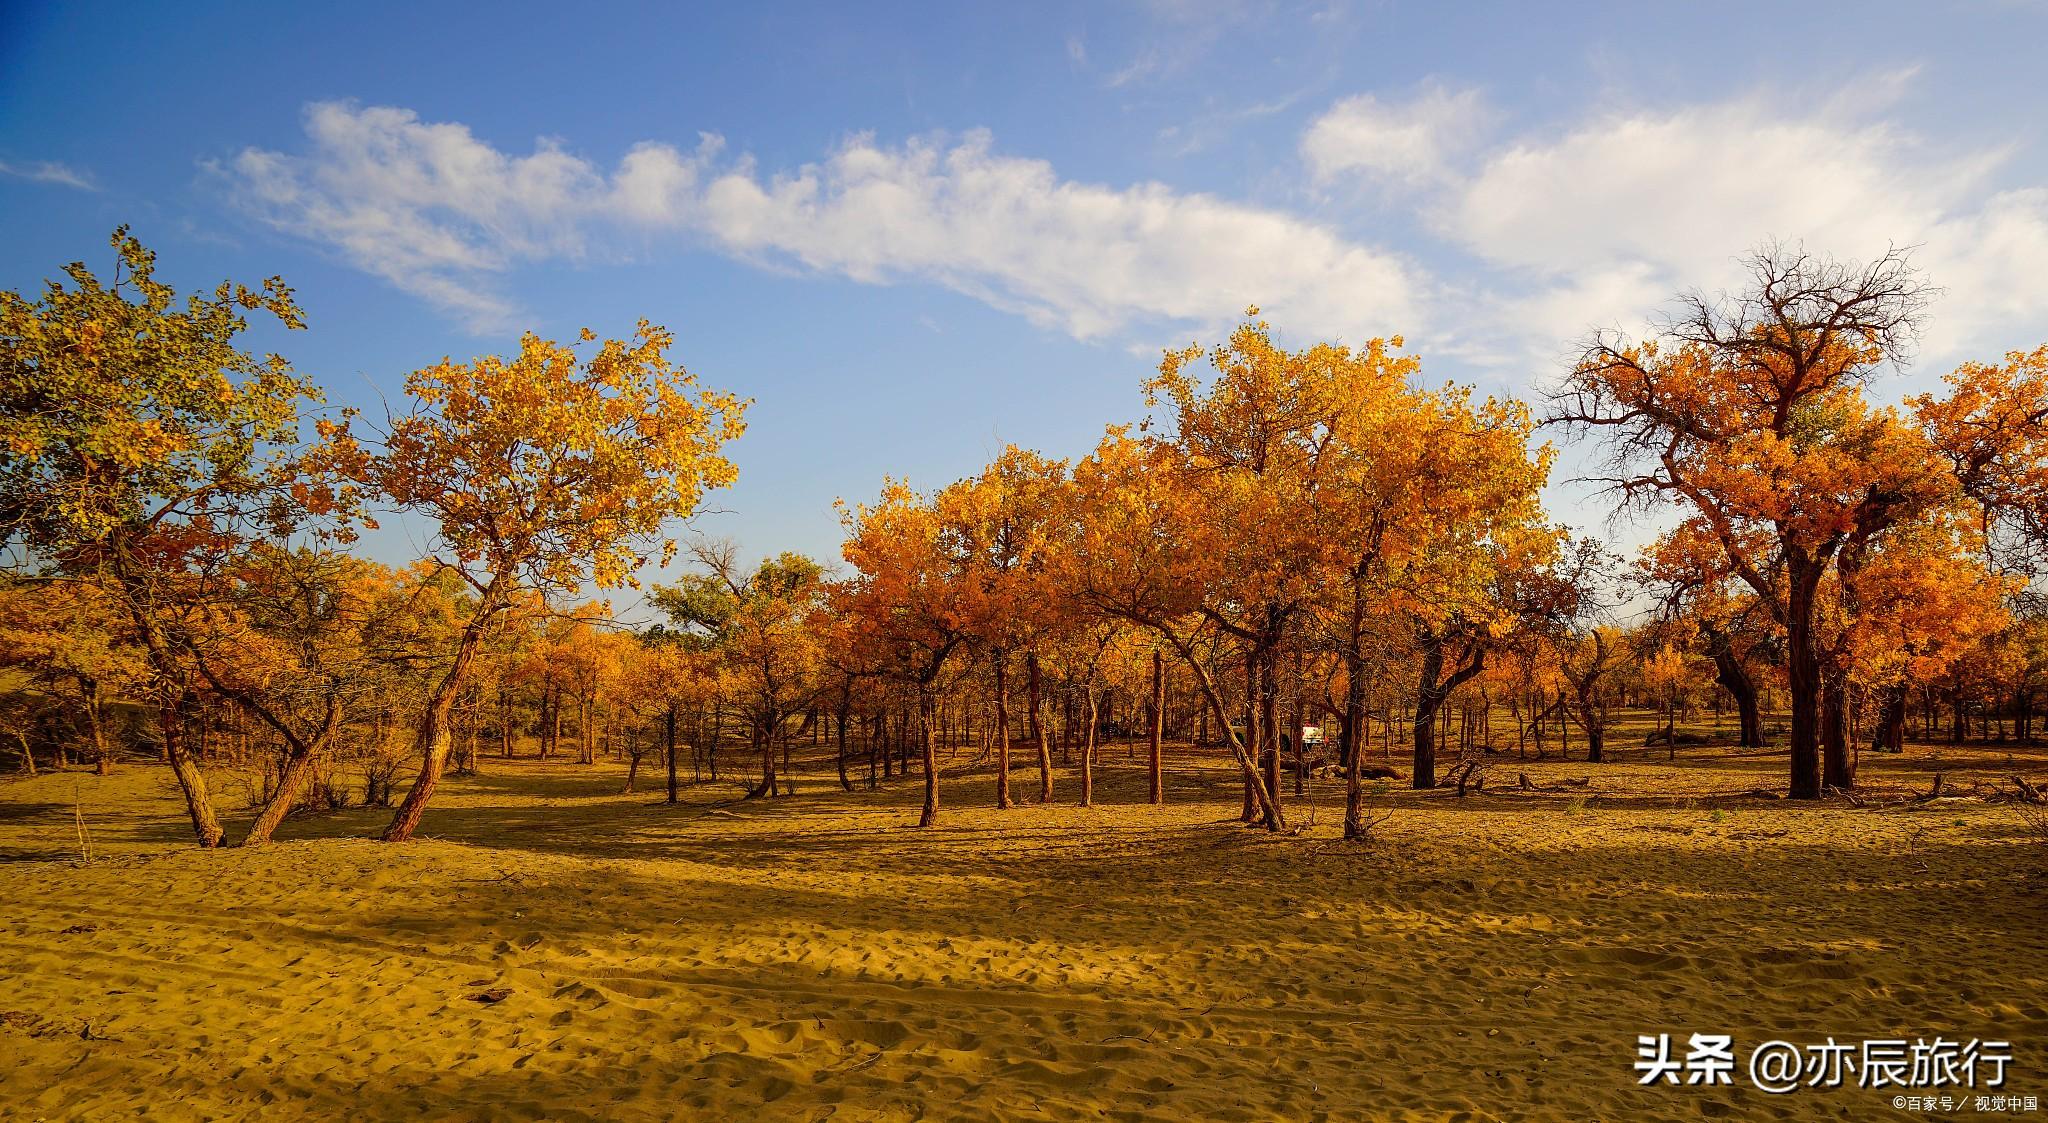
(140,444)
(542,470)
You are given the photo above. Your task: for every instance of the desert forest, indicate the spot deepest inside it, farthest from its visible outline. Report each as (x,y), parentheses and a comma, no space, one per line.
(1278,758)
(1156,561)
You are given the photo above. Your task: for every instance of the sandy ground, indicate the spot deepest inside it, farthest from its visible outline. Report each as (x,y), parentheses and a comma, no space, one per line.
(1489,957)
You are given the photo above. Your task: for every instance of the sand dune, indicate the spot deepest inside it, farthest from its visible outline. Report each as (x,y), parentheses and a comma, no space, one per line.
(810,958)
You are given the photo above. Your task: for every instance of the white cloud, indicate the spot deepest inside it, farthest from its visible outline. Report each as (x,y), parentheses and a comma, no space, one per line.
(1085,258)
(440,213)
(1409,144)
(1603,222)
(1693,187)
(1596,222)
(49,171)
(428,207)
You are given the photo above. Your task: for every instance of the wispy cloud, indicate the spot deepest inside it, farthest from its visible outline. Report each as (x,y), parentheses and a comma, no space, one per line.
(1208,129)
(442,214)
(49,171)
(1408,143)
(1182,34)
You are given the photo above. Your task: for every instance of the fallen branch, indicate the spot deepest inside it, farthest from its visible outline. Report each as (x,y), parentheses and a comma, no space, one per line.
(1528,785)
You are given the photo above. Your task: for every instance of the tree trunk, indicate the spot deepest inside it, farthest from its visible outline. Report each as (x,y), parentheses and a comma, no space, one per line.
(1735,679)
(431,737)
(1431,694)
(766,744)
(845,783)
(1250,810)
(930,814)
(1352,730)
(1247,763)
(1038,733)
(1890,734)
(1803,676)
(670,745)
(1088,750)
(103,761)
(171,717)
(1350,749)
(298,766)
(1595,728)
(1002,730)
(1295,723)
(1837,745)
(1269,720)
(1157,792)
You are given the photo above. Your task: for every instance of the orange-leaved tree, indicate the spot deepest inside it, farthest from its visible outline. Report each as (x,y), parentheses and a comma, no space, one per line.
(1005,524)
(72,643)
(1141,552)
(1906,610)
(1250,452)
(1993,426)
(1750,412)
(906,603)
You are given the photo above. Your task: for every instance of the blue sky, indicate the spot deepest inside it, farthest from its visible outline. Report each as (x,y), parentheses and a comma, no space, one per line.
(915,233)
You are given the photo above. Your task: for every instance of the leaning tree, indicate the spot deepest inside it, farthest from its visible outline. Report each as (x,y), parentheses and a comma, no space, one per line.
(540,471)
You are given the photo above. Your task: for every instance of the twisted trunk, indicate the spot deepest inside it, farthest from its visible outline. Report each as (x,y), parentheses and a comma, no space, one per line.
(1593,723)
(431,738)
(171,716)
(1736,680)
(298,766)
